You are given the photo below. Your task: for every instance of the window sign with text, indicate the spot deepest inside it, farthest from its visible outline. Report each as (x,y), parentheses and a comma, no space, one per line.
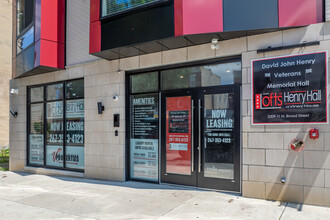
(144,137)
(290,89)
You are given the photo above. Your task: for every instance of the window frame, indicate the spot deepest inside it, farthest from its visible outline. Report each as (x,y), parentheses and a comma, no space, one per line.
(131,10)
(44,103)
(27,28)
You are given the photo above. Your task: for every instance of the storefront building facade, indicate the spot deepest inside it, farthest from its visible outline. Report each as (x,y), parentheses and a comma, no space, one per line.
(221,95)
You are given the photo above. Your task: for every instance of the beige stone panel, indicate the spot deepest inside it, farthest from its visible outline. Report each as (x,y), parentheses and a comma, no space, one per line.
(109,66)
(94,172)
(287,193)
(114,150)
(254,189)
(245,172)
(110,90)
(110,162)
(16,164)
(91,68)
(286,158)
(304,177)
(244,108)
(47,77)
(326,30)
(116,77)
(61,75)
(120,103)
(253,157)
(129,63)
(200,52)
(247,127)
(309,33)
(284,128)
(263,41)
(115,174)
(174,56)
(231,47)
(101,79)
(93,160)
(247,57)
(277,53)
(245,140)
(245,76)
(122,89)
(266,140)
(93,92)
(327,178)
(88,81)
(317,159)
(265,174)
(246,91)
(149,60)
(317,196)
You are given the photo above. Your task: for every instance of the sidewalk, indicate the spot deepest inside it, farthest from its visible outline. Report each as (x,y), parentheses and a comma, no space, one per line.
(31,196)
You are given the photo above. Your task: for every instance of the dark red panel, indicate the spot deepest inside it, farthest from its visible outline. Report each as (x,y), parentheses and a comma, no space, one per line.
(299,12)
(178,17)
(53,20)
(94,10)
(199,17)
(51,54)
(95,37)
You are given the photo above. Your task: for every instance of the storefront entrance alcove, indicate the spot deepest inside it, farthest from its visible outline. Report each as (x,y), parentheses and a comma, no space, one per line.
(184,125)
(200,138)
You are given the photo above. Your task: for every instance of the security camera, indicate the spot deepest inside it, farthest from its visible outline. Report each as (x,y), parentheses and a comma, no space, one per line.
(13,113)
(215,44)
(14,91)
(115,98)
(283,180)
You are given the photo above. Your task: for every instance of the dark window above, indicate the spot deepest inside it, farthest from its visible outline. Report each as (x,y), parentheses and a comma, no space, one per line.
(110,7)
(24,14)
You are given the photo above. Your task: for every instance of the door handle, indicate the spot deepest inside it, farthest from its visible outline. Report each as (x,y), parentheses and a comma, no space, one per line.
(199,136)
(192,136)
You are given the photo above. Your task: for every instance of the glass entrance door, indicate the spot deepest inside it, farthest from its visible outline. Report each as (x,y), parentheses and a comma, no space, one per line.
(200,141)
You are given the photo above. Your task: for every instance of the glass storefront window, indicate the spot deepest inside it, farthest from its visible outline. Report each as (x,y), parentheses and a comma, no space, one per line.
(110,7)
(36,134)
(37,94)
(202,76)
(144,137)
(74,89)
(56,132)
(54,112)
(74,153)
(145,82)
(24,14)
(55,92)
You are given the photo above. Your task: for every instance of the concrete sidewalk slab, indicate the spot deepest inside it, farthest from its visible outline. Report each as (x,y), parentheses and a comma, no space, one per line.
(31,196)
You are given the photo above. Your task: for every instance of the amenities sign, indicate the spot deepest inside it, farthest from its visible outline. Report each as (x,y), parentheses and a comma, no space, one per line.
(290,89)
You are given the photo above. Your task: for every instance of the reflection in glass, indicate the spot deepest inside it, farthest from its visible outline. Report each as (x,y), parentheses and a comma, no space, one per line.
(145,82)
(54,148)
(26,40)
(24,14)
(36,146)
(202,76)
(55,92)
(219,136)
(75,89)
(113,6)
(37,94)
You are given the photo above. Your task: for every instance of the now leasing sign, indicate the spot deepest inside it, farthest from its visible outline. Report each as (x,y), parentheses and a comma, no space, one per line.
(290,89)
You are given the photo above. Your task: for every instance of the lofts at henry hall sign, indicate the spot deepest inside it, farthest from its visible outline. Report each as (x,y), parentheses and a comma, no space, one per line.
(290,89)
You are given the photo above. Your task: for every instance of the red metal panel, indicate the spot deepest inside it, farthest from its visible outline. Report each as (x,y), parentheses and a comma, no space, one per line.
(95,37)
(299,12)
(200,17)
(94,10)
(53,20)
(178,17)
(51,54)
